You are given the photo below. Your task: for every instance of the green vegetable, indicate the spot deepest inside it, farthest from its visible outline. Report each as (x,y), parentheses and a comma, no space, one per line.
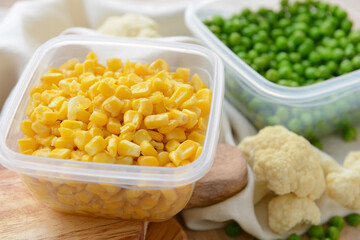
(316,231)
(353,219)
(332,233)
(233,229)
(294,236)
(337,222)
(349,133)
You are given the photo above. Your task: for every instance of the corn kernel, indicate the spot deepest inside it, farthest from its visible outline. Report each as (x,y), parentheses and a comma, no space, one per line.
(148,161)
(77,155)
(197,82)
(176,134)
(113,105)
(198,153)
(147,149)
(77,106)
(84,196)
(204,102)
(142,69)
(112,146)
(87,82)
(62,153)
(113,125)
(124,160)
(156,97)
(160,85)
(127,136)
(66,199)
(157,145)
(163,158)
(156,121)
(133,117)
(159,108)
(95,145)
(127,148)
(197,137)
(114,64)
(171,126)
(128,128)
(202,124)
(45,141)
(75,125)
(51,78)
(27,143)
(45,152)
(62,142)
(187,149)
(192,118)
(145,107)
(141,135)
(82,138)
(184,163)
(69,64)
(63,111)
(141,90)
(57,102)
(160,65)
(25,127)
(123,92)
(169,165)
(95,131)
(40,129)
(181,94)
(180,117)
(156,136)
(172,145)
(99,118)
(189,103)
(66,132)
(169,194)
(103,158)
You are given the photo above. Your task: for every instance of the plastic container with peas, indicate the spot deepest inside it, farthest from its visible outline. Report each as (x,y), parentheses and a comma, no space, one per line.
(293,63)
(96,141)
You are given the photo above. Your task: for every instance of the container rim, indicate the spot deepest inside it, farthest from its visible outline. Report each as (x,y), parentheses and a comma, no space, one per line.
(253,79)
(113,173)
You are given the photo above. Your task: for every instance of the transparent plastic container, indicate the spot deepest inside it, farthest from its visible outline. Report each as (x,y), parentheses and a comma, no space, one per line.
(110,190)
(312,111)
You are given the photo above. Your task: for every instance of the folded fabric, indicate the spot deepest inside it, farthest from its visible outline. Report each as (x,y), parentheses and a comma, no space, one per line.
(253,218)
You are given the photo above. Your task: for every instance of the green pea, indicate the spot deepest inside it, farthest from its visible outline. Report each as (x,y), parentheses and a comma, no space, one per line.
(217,20)
(252,54)
(283,63)
(338,54)
(332,233)
(339,33)
(350,50)
(276,32)
(340,13)
(346,25)
(242,55)
(349,133)
(343,42)
(235,38)
(272,75)
(288,83)
(318,144)
(345,67)
(215,29)
(238,24)
(315,57)
(281,56)
(358,48)
(356,61)
(298,68)
(282,113)
(294,236)
(295,125)
(316,231)
(310,72)
(239,48)
(255,104)
(314,33)
(281,43)
(246,42)
(260,47)
(285,72)
(306,118)
(327,28)
(353,219)
(261,36)
(337,222)
(274,120)
(295,57)
(332,66)
(305,48)
(233,229)
(323,72)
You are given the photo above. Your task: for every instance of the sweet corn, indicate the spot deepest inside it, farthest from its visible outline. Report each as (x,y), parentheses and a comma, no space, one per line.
(147,149)
(132,114)
(27,143)
(142,135)
(95,145)
(172,145)
(127,148)
(176,134)
(156,121)
(148,161)
(156,136)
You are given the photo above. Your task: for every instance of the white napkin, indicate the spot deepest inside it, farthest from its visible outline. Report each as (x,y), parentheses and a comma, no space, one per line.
(252,218)
(28,24)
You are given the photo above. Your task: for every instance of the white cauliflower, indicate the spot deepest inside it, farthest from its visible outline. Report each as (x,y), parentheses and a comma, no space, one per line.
(343,183)
(130,25)
(287,211)
(286,162)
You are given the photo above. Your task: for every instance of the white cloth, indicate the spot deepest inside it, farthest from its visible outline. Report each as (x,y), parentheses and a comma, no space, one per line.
(241,208)
(28,24)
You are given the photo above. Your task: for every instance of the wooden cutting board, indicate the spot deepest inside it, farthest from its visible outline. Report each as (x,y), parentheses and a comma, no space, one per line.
(24,218)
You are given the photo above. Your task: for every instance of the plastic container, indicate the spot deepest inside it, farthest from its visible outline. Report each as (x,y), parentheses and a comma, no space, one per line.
(110,190)
(311,111)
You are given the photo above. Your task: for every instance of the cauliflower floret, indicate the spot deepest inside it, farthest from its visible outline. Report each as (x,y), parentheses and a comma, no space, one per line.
(343,183)
(130,25)
(285,161)
(286,211)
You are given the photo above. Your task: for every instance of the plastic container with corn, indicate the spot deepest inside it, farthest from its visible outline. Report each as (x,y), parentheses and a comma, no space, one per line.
(147,112)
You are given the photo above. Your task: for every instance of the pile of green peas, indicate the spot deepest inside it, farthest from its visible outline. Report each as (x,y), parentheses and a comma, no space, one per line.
(302,44)
(315,232)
